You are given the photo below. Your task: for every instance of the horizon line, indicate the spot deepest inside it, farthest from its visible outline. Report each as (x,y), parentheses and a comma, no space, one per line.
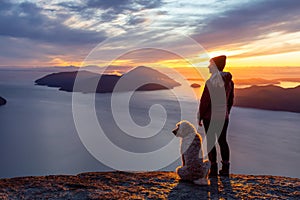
(75,66)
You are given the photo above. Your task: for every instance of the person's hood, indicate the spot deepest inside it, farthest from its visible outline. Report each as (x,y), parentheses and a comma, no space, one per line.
(218,79)
(226,76)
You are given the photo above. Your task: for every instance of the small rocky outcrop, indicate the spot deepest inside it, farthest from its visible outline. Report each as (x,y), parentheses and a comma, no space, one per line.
(147,185)
(2,101)
(195,85)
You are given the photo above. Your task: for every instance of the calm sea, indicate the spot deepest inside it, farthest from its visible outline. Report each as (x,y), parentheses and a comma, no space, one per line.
(38,134)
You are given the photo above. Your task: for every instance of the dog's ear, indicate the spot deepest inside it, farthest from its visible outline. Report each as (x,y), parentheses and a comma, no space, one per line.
(175,131)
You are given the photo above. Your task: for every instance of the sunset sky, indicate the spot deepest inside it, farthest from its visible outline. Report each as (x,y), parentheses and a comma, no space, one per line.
(64,32)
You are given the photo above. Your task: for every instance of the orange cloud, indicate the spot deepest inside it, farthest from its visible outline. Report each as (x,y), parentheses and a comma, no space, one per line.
(62,62)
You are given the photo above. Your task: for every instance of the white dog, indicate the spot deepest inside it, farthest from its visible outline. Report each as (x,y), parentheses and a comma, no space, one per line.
(193,167)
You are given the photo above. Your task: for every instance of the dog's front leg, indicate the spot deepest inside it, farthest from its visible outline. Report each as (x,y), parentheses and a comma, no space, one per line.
(182,159)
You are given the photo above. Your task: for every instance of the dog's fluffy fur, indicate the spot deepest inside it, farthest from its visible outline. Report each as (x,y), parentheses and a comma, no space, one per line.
(193,168)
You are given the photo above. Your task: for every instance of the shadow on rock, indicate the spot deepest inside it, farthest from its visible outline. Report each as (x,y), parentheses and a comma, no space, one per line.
(226,186)
(188,190)
(219,188)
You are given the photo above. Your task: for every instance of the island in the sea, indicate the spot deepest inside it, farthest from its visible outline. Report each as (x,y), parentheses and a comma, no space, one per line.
(269,97)
(195,85)
(2,101)
(140,78)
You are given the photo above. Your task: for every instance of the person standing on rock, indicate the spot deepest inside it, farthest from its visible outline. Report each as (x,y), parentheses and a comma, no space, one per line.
(215,105)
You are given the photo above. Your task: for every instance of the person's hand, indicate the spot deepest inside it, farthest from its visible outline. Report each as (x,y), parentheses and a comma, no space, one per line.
(199,120)
(200,123)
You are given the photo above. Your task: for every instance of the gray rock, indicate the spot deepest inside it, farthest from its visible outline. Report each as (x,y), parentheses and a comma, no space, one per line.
(2,101)
(147,185)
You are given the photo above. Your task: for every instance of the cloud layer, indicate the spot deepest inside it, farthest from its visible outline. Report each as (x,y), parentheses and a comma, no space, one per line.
(33,32)
(244,23)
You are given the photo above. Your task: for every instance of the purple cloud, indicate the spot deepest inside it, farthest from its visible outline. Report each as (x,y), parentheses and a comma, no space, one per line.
(249,21)
(26,20)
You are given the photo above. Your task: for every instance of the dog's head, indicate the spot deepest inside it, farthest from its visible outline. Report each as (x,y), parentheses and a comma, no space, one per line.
(183,128)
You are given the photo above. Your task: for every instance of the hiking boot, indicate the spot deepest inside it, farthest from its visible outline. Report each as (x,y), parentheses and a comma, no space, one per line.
(225,168)
(213,170)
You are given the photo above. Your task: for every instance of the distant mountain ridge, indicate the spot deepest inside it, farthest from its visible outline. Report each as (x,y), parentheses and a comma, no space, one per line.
(269,97)
(146,78)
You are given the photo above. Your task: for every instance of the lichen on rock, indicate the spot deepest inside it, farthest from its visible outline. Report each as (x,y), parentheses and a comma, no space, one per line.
(147,185)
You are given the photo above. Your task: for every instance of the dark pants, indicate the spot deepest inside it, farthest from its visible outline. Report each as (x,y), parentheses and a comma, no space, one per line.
(217,130)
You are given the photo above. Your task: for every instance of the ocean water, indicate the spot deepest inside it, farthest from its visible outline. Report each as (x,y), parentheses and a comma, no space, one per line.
(38,135)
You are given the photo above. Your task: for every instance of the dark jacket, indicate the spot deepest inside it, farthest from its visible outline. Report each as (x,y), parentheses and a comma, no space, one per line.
(221,97)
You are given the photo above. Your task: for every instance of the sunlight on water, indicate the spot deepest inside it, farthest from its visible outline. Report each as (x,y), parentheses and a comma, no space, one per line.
(283,84)
(286,84)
